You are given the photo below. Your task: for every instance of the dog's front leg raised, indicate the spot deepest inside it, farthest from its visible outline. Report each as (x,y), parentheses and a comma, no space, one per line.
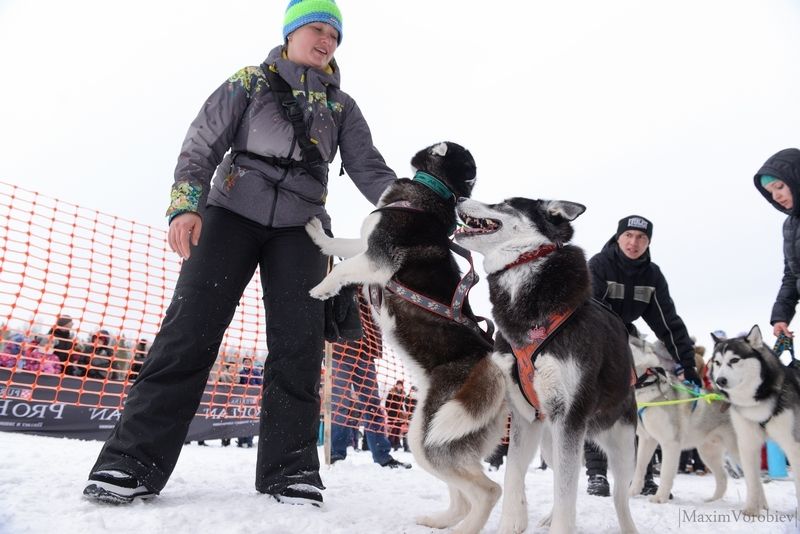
(356,270)
(336,246)
(523,441)
(750,437)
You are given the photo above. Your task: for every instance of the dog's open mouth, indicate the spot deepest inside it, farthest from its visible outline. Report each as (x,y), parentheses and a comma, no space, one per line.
(474,225)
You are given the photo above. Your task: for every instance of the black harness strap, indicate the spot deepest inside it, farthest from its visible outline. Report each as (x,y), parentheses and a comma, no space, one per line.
(649,377)
(452,310)
(312,159)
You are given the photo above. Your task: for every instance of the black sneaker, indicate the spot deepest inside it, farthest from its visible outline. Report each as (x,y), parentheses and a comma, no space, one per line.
(598,486)
(391,463)
(115,487)
(299,494)
(651,488)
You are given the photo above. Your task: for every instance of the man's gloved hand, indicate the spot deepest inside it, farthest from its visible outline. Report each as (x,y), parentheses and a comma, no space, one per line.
(690,374)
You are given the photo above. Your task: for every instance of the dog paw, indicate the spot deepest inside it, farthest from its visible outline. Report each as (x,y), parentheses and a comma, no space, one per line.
(322,292)
(513,527)
(315,231)
(436,521)
(659,499)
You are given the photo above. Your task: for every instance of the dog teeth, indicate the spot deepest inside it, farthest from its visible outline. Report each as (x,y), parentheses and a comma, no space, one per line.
(474,225)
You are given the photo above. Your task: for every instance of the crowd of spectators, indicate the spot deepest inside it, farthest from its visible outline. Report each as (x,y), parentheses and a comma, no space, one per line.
(100,355)
(60,351)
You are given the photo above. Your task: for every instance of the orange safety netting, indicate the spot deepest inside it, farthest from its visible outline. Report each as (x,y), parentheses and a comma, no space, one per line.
(82,295)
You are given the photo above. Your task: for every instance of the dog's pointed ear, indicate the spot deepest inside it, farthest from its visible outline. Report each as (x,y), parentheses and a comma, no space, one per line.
(439,149)
(714,338)
(565,209)
(754,337)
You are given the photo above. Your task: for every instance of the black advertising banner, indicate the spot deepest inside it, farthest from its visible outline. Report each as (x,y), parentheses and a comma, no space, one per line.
(50,408)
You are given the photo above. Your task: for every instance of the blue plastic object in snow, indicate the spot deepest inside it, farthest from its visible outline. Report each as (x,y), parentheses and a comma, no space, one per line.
(776,460)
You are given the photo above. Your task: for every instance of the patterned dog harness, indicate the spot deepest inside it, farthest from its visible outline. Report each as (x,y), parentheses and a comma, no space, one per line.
(538,336)
(526,355)
(453,311)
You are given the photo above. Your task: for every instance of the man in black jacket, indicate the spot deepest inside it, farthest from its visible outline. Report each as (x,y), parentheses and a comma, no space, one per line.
(624,277)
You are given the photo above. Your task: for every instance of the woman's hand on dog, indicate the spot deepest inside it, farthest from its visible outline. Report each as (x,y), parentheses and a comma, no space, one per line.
(184,231)
(782,328)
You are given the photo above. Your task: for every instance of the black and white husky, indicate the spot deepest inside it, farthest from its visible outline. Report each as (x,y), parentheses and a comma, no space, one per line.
(765,401)
(404,249)
(680,426)
(581,377)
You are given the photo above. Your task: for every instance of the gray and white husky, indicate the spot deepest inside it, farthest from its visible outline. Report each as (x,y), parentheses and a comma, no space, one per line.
(701,425)
(461,410)
(581,375)
(765,401)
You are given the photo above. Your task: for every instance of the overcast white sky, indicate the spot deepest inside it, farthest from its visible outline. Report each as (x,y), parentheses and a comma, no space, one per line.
(665,109)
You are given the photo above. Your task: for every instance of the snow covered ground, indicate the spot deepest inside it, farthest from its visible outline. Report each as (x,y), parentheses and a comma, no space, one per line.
(211,490)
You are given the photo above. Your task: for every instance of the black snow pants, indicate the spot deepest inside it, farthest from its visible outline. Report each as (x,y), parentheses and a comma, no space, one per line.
(161,403)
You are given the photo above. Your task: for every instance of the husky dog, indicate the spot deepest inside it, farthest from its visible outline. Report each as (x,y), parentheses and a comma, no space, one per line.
(765,401)
(706,427)
(405,249)
(581,377)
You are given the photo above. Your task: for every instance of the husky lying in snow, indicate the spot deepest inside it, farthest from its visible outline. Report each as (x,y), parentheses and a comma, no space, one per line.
(765,401)
(405,250)
(581,378)
(706,427)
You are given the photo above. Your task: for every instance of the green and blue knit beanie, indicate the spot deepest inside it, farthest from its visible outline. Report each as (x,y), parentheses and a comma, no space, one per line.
(765,179)
(302,12)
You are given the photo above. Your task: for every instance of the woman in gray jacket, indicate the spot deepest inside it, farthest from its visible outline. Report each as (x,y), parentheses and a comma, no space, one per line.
(271,178)
(779,181)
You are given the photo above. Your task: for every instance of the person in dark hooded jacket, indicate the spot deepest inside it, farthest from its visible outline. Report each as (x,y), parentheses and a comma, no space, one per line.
(630,283)
(779,181)
(625,279)
(269,156)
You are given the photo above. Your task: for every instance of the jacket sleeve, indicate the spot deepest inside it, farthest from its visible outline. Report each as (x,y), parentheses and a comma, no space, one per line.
(363,163)
(668,327)
(209,137)
(786,301)
(598,269)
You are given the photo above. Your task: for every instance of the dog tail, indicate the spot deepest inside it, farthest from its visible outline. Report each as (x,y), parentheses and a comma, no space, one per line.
(475,405)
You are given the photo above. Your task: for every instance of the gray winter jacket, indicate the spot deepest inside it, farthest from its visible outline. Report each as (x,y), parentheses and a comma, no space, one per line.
(243,117)
(785,165)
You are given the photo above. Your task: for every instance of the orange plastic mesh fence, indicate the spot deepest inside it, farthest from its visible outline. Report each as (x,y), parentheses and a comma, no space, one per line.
(82,295)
